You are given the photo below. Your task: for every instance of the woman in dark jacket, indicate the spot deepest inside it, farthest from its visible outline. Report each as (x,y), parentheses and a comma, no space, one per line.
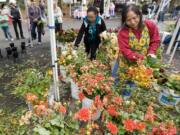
(93,25)
(16,18)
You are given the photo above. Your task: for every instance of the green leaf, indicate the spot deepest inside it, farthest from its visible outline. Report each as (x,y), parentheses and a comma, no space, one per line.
(41,130)
(55,122)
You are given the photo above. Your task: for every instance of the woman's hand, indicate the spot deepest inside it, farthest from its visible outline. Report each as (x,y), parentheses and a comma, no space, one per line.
(152,55)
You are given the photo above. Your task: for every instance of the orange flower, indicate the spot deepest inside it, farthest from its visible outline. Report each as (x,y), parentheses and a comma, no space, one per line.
(83,114)
(30,97)
(129,125)
(62,109)
(140,125)
(113,128)
(50,72)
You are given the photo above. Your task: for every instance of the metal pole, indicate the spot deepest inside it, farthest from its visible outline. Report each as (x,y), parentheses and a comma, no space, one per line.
(174,50)
(28,22)
(173,37)
(53,47)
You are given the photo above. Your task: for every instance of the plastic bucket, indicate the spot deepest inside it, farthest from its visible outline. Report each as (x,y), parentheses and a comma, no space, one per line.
(164,97)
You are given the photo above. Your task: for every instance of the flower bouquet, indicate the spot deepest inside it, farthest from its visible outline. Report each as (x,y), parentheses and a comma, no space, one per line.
(66,36)
(109,46)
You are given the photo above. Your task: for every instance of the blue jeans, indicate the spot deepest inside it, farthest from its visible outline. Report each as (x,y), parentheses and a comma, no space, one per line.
(129,84)
(6,32)
(161,16)
(168,39)
(33,31)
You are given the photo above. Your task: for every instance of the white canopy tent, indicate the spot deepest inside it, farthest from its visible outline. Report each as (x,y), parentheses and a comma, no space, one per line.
(53,47)
(51,26)
(173,40)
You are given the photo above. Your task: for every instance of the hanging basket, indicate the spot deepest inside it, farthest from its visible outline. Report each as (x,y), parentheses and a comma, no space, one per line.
(74,90)
(86,103)
(164,97)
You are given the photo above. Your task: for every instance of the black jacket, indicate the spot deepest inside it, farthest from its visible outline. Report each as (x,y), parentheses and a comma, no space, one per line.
(84,30)
(15,13)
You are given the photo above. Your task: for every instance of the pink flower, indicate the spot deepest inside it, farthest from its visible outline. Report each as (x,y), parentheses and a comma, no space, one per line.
(149,116)
(84,68)
(98,102)
(41,110)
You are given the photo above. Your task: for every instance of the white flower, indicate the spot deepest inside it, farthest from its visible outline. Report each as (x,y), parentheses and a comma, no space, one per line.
(69,57)
(64,53)
(113,35)
(74,53)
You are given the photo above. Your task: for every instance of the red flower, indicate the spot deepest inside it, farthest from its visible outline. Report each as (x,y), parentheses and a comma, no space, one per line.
(83,114)
(60,77)
(81,96)
(111,110)
(129,125)
(140,125)
(113,128)
(62,109)
(83,130)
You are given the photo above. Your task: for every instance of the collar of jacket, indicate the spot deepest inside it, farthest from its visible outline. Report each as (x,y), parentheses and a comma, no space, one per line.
(86,21)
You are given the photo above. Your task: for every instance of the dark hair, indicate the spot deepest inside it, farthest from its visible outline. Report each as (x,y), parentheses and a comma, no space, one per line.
(3,5)
(135,9)
(92,9)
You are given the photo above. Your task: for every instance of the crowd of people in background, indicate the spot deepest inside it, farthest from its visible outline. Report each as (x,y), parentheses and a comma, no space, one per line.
(11,14)
(38,18)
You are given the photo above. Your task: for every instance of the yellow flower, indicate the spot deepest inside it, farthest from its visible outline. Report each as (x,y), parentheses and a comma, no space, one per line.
(130,34)
(135,42)
(121,64)
(122,75)
(113,41)
(131,46)
(146,34)
(148,41)
(142,41)
(50,72)
(138,47)
(144,52)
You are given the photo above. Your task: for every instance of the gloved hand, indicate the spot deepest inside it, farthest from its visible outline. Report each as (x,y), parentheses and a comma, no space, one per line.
(76,47)
(152,55)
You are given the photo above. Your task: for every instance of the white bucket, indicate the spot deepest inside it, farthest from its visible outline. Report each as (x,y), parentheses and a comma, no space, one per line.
(163,97)
(74,90)
(86,103)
